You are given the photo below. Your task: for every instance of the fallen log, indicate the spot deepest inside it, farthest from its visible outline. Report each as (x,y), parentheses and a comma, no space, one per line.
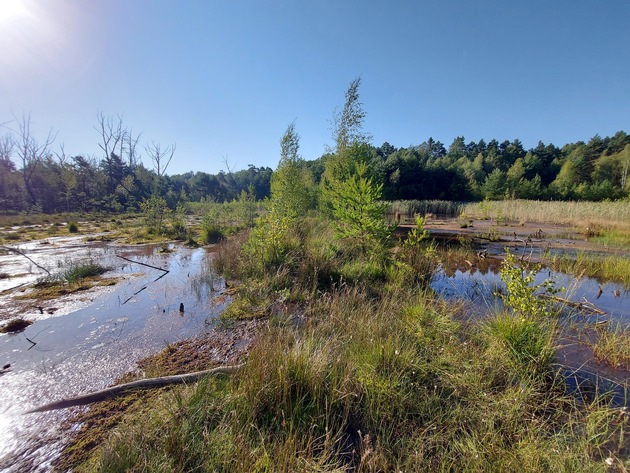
(120,389)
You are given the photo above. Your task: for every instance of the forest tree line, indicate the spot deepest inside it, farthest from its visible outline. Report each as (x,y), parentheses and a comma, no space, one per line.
(36,176)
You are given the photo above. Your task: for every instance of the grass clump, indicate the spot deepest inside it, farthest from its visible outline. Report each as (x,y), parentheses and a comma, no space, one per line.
(211,234)
(74,277)
(524,342)
(613,346)
(15,325)
(11,236)
(82,270)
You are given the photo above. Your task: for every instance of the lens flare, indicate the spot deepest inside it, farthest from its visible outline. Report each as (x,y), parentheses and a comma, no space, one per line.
(11,9)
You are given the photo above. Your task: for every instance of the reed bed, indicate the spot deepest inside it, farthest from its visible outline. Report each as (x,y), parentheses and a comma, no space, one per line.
(445,208)
(593,216)
(604,268)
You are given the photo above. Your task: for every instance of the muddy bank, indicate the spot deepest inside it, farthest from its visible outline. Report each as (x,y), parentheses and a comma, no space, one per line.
(529,238)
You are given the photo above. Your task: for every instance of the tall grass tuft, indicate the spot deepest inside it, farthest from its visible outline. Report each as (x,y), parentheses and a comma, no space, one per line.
(613,346)
(81,270)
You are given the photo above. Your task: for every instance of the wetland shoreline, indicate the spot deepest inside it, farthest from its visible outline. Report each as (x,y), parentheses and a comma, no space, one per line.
(231,343)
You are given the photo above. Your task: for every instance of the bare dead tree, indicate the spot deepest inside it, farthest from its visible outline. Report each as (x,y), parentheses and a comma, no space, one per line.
(30,152)
(118,144)
(131,145)
(6,148)
(61,155)
(68,176)
(161,157)
(111,132)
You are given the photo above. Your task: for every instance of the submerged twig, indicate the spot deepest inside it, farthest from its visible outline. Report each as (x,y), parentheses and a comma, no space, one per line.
(115,391)
(137,292)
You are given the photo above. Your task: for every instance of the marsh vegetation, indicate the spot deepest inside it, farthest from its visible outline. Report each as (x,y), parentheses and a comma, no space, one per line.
(360,367)
(358,364)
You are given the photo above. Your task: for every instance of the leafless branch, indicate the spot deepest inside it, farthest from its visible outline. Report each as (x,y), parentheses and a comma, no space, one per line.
(14,250)
(161,157)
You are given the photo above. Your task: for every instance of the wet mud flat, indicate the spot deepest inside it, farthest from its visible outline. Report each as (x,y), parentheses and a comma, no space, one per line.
(530,239)
(97,336)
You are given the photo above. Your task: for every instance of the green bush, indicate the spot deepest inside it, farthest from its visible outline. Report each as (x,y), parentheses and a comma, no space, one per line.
(73,227)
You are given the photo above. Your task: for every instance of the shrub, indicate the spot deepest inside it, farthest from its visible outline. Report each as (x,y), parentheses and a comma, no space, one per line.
(522,296)
(73,227)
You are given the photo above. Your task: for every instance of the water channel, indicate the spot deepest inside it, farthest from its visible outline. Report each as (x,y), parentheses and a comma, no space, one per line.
(480,286)
(89,345)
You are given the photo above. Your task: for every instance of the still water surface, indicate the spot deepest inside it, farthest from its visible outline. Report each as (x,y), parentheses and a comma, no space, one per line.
(88,349)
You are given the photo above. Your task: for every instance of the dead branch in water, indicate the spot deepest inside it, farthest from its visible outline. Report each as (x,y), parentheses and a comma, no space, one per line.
(148,383)
(584,305)
(8,248)
(144,264)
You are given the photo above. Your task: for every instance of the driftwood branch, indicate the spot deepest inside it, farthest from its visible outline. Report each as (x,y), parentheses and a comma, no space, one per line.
(8,248)
(120,389)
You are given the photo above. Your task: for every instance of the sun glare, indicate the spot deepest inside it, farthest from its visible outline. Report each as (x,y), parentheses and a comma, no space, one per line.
(11,8)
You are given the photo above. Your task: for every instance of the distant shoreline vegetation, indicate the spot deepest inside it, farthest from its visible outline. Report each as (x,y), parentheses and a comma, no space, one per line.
(35,179)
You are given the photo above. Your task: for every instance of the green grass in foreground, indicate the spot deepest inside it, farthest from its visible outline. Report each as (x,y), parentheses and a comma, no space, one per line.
(368,386)
(380,377)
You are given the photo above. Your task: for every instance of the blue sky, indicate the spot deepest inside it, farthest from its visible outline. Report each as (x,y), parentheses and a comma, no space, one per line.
(224,78)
